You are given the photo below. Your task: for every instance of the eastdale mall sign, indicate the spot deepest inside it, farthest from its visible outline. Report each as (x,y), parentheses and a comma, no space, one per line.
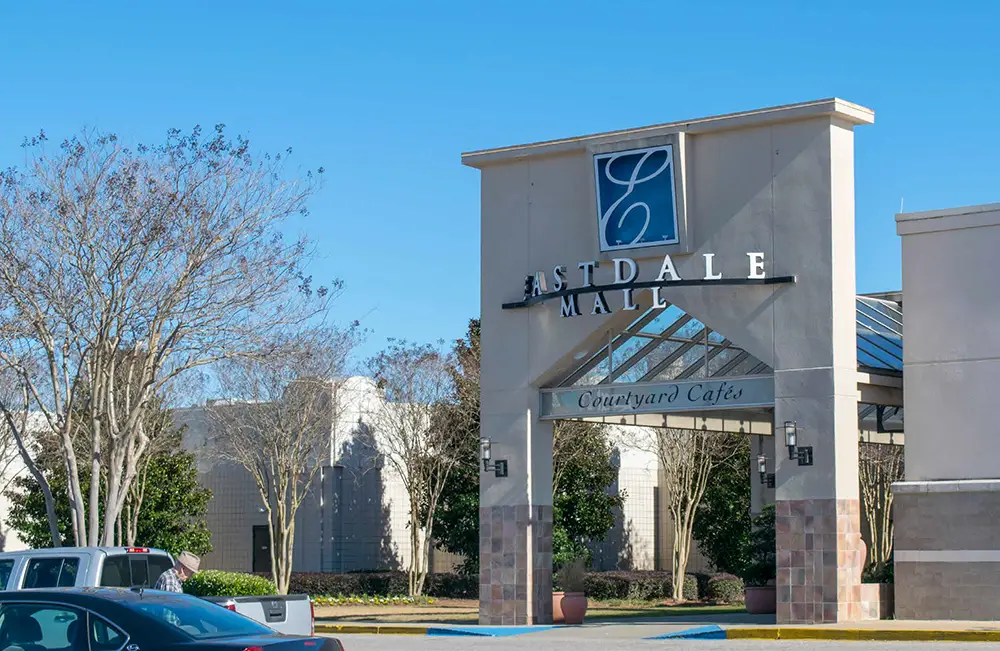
(626,271)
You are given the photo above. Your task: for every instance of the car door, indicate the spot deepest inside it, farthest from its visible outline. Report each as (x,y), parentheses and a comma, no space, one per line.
(42,626)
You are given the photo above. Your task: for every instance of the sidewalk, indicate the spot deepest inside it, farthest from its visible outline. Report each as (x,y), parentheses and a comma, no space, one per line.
(873,631)
(722,628)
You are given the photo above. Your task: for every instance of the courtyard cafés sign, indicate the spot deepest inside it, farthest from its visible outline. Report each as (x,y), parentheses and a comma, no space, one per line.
(657,397)
(626,271)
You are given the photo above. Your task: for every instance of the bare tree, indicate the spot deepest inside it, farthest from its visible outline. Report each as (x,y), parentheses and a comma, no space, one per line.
(159,427)
(687,459)
(879,466)
(411,434)
(277,422)
(125,268)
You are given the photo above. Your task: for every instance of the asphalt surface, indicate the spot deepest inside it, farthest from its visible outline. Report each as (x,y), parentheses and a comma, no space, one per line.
(574,641)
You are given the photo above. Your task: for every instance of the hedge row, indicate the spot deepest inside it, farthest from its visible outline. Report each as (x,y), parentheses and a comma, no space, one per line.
(216,583)
(602,586)
(725,587)
(637,586)
(384,584)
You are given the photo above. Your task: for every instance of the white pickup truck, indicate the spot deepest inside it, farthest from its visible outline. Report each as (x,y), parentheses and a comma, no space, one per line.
(134,567)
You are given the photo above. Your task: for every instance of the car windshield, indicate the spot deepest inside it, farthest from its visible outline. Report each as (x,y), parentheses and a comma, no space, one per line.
(200,619)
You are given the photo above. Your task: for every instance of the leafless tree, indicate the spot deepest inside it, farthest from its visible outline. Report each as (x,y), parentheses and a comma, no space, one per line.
(412,435)
(125,268)
(879,466)
(277,422)
(159,427)
(687,459)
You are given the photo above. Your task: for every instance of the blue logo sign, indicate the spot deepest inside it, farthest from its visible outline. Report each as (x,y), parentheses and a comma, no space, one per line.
(635,198)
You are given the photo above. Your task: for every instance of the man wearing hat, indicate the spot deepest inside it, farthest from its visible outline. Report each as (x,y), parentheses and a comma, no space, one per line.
(184,568)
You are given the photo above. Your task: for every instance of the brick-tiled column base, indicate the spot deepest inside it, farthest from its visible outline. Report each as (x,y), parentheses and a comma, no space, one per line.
(819,561)
(515,565)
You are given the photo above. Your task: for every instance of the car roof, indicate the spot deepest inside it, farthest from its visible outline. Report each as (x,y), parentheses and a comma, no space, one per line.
(87,596)
(62,551)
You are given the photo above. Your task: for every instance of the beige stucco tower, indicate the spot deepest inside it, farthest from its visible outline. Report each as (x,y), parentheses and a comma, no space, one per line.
(757,218)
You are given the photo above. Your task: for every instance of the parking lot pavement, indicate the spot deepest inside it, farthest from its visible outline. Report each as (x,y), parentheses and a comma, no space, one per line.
(581,640)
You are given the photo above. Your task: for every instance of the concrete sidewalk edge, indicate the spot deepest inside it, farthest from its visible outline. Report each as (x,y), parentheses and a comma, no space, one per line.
(371,629)
(862,634)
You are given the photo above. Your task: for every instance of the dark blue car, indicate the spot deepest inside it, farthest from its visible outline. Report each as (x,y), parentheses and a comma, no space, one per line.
(112,619)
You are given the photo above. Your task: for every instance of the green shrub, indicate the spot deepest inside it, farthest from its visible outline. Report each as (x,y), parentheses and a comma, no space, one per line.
(883,574)
(636,586)
(761,569)
(215,583)
(726,588)
(383,584)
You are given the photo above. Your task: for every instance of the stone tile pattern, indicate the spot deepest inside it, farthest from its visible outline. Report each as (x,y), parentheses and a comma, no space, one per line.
(515,579)
(947,522)
(819,561)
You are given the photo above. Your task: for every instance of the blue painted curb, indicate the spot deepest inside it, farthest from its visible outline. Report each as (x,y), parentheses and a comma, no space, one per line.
(712,632)
(485,631)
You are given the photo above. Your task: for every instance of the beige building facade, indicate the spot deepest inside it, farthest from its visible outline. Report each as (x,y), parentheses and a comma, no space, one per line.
(947,543)
(729,239)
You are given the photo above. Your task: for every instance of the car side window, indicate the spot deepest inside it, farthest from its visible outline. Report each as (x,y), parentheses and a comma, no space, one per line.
(6,567)
(41,628)
(51,573)
(116,572)
(104,636)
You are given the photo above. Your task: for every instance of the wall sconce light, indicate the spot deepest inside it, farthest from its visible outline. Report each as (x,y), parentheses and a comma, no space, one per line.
(765,477)
(804,455)
(499,467)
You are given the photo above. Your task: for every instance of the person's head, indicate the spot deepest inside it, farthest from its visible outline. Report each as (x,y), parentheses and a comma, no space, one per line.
(186,565)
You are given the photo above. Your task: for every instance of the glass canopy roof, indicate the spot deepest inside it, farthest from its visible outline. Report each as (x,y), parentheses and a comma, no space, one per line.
(668,344)
(880,335)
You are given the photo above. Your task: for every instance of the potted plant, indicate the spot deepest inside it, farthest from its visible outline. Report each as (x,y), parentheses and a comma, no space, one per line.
(569,605)
(760,573)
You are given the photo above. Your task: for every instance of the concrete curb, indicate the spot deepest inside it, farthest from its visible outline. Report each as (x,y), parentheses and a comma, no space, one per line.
(434,631)
(372,629)
(862,634)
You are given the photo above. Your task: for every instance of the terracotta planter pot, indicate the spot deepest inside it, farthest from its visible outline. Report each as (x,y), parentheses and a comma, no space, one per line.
(568,607)
(557,613)
(761,600)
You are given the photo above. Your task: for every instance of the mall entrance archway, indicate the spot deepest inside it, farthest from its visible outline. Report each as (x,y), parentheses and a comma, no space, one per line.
(745,222)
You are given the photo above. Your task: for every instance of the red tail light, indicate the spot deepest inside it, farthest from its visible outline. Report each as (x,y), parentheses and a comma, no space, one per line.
(137,550)
(231,607)
(254,648)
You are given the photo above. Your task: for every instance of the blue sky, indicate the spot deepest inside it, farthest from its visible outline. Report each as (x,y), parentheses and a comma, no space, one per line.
(388,94)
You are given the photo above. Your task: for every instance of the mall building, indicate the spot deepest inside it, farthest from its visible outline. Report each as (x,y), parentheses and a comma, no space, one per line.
(701,274)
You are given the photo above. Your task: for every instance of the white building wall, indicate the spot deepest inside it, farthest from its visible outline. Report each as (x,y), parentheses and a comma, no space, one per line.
(362,522)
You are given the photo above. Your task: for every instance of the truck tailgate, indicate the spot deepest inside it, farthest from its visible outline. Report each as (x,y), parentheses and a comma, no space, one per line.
(287,614)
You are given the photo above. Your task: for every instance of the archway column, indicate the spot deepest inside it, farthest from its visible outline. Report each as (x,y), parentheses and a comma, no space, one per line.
(818,517)
(515,513)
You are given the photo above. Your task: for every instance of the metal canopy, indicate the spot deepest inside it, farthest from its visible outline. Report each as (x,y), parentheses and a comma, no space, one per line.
(662,345)
(667,344)
(880,335)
